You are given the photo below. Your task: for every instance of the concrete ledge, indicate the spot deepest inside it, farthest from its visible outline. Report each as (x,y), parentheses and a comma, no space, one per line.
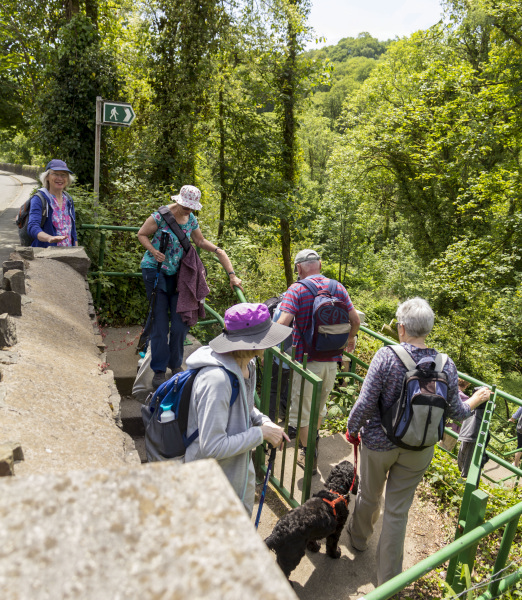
(148,532)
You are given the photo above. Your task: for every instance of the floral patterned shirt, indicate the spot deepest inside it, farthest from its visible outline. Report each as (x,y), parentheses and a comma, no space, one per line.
(62,221)
(174,252)
(384,381)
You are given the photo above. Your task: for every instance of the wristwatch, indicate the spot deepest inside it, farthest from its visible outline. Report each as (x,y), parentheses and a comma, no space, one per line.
(232,273)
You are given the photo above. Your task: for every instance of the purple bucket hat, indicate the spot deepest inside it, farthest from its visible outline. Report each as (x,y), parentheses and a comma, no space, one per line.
(189,196)
(249,327)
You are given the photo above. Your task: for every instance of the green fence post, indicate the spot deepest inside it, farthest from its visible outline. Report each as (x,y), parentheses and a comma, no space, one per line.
(476,513)
(502,556)
(473,479)
(101,258)
(265,400)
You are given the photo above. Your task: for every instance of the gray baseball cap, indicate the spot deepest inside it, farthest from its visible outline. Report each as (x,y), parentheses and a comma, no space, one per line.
(305,256)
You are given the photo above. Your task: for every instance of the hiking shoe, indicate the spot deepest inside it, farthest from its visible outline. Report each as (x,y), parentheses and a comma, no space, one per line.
(158,379)
(301,459)
(292,432)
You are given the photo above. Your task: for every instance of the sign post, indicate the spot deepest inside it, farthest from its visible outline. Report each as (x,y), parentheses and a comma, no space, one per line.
(97,142)
(108,113)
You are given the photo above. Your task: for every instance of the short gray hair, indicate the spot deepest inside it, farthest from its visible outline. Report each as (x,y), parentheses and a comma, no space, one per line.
(417,317)
(310,267)
(44,178)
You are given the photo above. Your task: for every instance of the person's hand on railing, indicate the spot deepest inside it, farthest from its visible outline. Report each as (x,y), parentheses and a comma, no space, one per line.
(350,346)
(480,396)
(235,281)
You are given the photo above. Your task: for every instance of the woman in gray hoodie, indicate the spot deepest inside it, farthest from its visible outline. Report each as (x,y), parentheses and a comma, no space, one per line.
(229,433)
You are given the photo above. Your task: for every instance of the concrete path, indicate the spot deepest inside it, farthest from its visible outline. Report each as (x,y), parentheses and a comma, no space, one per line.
(14,191)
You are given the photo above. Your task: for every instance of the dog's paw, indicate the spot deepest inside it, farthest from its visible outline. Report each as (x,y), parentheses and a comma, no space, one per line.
(335,553)
(313,546)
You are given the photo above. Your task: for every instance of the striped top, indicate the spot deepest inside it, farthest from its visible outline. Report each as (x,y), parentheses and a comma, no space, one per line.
(298,301)
(384,380)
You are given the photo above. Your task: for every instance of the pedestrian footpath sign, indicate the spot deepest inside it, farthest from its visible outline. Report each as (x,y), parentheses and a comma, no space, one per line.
(118,113)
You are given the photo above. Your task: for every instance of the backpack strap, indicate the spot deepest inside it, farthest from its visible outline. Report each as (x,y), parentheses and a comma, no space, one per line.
(332,287)
(310,286)
(405,357)
(164,211)
(43,200)
(409,363)
(234,382)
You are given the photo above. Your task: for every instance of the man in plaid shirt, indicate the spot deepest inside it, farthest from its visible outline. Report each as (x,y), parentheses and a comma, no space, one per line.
(297,305)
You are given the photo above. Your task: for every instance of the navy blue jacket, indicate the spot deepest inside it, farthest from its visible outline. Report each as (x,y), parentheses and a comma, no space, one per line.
(35,218)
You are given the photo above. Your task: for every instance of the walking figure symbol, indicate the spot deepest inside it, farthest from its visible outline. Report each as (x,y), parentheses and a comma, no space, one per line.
(114,113)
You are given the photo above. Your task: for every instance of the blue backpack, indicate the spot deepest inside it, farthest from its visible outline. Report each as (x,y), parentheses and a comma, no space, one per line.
(330,324)
(415,420)
(164,441)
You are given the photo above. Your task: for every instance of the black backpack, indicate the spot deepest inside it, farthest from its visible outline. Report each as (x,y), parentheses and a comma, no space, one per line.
(22,219)
(415,421)
(272,304)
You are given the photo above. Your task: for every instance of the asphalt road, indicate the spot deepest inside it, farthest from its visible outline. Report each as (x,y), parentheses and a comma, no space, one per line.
(14,191)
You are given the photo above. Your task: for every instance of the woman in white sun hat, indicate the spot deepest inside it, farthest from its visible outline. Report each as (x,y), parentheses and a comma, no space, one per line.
(167,350)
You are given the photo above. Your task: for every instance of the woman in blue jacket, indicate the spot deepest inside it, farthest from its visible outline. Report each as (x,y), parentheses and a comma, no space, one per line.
(59,228)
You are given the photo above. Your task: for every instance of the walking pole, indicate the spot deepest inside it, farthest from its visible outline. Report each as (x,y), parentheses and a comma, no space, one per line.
(265,485)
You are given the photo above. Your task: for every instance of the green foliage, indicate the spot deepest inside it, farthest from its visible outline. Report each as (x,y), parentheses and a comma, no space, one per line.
(79,71)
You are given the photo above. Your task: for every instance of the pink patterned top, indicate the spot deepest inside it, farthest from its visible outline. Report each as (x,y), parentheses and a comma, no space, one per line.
(62,220)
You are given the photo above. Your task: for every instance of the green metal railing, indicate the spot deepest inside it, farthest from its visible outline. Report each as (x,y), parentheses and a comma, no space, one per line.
(299,376)
(101,255)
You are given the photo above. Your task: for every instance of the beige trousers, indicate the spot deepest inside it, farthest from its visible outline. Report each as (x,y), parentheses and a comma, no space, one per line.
(403,470)
(327,372)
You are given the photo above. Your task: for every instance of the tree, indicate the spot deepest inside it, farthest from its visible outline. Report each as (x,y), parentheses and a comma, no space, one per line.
(80,70)
(180,71)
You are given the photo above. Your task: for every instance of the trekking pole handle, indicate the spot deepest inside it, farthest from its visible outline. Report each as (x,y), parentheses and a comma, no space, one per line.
(164,241)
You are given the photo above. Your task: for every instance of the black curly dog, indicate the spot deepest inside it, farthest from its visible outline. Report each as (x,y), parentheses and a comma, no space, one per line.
(322,516)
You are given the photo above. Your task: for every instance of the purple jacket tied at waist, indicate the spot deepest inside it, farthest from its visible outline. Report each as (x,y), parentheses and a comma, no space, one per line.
(192,288)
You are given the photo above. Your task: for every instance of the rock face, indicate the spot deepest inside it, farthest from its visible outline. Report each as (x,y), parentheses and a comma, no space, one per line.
(10,303)
(146,532)
(9,265)
(14,281)
(7,330)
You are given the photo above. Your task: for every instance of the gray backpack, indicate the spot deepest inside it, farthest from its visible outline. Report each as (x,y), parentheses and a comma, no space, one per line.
(415,421)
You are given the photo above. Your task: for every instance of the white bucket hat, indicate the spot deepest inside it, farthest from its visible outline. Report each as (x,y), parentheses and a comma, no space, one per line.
(189,196)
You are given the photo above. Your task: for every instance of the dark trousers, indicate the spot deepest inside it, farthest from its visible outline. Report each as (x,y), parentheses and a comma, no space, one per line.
(168,331)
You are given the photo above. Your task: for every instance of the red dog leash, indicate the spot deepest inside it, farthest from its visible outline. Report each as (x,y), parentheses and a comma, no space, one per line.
(355,441)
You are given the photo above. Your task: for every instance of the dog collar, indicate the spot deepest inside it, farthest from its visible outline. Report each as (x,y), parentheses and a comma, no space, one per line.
(332,503)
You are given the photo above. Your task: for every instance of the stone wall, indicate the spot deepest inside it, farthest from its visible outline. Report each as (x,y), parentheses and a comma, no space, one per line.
(157,531)
(57,399)
(27,170)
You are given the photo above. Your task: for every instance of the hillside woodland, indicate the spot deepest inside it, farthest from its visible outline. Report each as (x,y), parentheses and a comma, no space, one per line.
(398,160)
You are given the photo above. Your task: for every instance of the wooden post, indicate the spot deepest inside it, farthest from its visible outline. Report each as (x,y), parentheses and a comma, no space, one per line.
(97,143)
